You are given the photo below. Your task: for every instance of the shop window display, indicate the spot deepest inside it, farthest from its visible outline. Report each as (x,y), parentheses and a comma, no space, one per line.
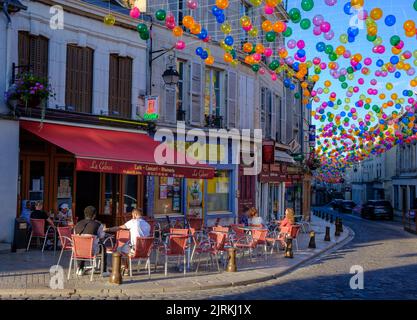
(218,192)
(167,196)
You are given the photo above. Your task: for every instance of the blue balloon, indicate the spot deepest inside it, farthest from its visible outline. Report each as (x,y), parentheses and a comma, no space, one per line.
(397,74)
(221,18)
(199,51)
(390,20)
(301,53)
(358,66)
(343,114)
(204,55)
(216,11)
(398,106)
(229,40)
(351,39)
(203,34)
(380,63)
(320,46)
(292,86)
(353,31)
(348,8)
(394,60)
(296,66)
(287,83)
(330,104)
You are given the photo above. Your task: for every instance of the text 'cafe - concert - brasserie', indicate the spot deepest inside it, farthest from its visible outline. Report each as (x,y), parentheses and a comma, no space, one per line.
(112,169)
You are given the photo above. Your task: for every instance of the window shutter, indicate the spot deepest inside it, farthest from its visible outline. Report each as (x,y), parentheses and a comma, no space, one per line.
(274,116)
(113,84)
(243,102)
(250,102)
(125,87)
(33,52)
(170,105)
(79,78)
(232,99)
(196,115)
(23,49)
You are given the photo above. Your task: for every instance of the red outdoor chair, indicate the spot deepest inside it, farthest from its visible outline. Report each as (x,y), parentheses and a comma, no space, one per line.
(196,223)
(212,248)
(38,231)
(250,242)
(278,237)
(122,237)
(294,232)
(178,231)
(238,233)
(142,250)
(83,249)
(176,247)
(64,234)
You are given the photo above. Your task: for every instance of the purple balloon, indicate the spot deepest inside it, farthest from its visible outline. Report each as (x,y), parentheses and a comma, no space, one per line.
(318,20)
(330,2)
(329,35)
(317,31)
(292,44)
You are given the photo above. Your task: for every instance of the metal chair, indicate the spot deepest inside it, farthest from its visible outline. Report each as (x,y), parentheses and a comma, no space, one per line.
(83,250)
(64,234)
(176,247)
(142,250)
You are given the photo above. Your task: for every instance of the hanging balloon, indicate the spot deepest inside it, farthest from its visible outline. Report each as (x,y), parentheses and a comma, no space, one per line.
(135,13)
(229,40)
(160,15)
(279,26)
(244,21)
(270,36)
(253,32)
(203,34)
(307,5)
(145,35)
(109,20)
(221,18)
(226,28)
(216,11)
(210,60)
(295,15)
(195,28)
(288,32)
(204,55)
(305,24)
(180,45)
(267,26)
(199,51)
(268,10)
(177,31)
(227,57)
(188,21)
(255,67)
(222,4)
(141,28)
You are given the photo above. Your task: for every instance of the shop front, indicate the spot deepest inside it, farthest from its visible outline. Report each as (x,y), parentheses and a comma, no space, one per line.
(111,169)
(294,190)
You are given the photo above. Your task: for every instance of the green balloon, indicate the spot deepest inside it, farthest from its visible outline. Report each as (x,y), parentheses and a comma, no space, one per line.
(342,78)
(344,85)
(307,5)
(255,67)
(333,56)
(142,28)
(328,49)
(371,38)
(160,15)
(270,36)
(287,33)
(395,40)
(297,95)
(305,24)
(274,64)
(295,15)
(415,5)
(350,70)
(144,35)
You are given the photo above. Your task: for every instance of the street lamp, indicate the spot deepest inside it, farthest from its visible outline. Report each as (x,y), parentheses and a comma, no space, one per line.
(171,76)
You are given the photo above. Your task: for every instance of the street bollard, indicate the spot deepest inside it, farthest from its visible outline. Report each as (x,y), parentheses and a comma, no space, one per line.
(331,219)
(116,276)
(337,228)
(312,243)
(327,236)
(288,248)
(231,263)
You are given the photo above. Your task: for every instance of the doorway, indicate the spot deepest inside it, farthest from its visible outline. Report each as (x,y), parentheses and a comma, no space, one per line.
(88,192)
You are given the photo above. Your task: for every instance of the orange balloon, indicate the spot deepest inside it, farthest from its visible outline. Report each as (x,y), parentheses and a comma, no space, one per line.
(228,57)
(188,21)
(259,48)
(195,28)
(279,26)
(409,25)
(222,4)
(210,60)
(177,31)
(247,47)
(267,26)
(376,13)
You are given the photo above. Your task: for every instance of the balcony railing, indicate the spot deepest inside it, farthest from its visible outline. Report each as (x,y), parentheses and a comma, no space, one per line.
(213,121)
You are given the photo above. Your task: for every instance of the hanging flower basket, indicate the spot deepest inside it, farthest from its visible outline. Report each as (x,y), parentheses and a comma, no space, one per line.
(313,163)
(29,91)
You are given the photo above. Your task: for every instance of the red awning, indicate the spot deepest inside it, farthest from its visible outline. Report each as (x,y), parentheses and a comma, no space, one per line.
(111,151)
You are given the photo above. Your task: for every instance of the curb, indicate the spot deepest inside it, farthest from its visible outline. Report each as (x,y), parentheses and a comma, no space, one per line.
(162,290)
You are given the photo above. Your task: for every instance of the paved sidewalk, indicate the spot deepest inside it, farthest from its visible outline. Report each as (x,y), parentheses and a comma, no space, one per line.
(27,273)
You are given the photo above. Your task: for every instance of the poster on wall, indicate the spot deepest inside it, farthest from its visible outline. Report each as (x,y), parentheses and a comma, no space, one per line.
(195,195)
(163,192)
(176,203)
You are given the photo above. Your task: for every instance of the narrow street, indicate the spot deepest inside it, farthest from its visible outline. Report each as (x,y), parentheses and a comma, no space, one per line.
(387,254)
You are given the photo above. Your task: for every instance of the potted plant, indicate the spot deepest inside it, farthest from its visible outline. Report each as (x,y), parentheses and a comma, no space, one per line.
(29,90)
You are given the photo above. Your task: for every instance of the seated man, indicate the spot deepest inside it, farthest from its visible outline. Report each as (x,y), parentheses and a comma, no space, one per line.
(138,227)
(90,226)
(39,213)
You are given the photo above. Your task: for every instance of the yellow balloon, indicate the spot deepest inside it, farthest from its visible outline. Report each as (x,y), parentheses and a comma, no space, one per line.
(226,28)
(357,4)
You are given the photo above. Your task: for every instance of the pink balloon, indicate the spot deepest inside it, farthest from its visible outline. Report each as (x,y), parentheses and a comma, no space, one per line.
(256,56)
(330,2)
(170,25)
(316,31)
(262,71)
(291,44)
(273,77)
(325,27)
(368,61)
(135,13)
(192,4)
(301,44)
(247,28)
(268,9)
(180,45)
(268,52)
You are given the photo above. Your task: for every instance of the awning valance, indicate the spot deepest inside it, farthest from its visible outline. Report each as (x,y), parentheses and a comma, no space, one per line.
(111,151)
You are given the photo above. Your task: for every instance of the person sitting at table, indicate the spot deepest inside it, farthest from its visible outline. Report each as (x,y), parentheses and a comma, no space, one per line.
(64,213)
(289,219)
(39,213)
(244,218)
(138,227)
(254,217)
(90,226)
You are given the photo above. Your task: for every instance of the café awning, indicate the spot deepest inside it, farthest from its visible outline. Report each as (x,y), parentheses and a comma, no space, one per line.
(113,151)
(282,156)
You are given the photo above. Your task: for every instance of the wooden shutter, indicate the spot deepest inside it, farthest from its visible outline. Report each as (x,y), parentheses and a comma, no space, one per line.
(33,52)
(232,99)
(274,116)
(120,86)
(289,115)
(196,94)
(170,105)
(79,78)
(250,98)
(243,101)
(113,84)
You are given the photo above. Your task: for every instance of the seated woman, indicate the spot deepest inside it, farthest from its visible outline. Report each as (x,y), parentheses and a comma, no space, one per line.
(289,219)
(254,218)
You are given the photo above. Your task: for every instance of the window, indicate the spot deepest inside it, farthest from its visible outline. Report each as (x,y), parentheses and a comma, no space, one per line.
(266,111)
(180,92)
(79,78)
(65,184)
(212,99)
(111,194)
(37,180)
(218,192)
(130,190)
(120,86)
(167,196)
(33,54)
